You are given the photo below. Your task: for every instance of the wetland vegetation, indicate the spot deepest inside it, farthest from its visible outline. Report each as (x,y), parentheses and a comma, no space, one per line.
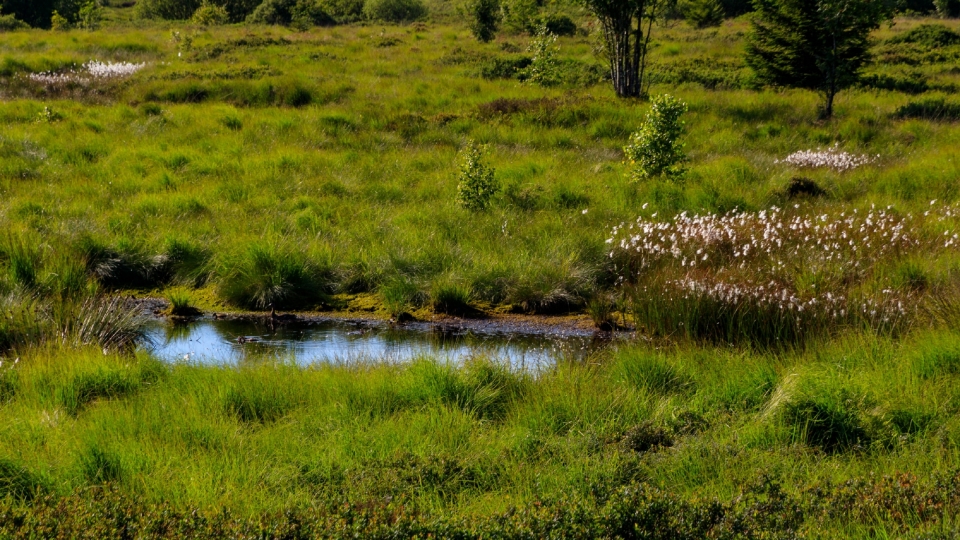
(790,283)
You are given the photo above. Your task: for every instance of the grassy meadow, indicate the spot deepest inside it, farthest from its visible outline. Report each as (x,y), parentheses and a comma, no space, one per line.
(797,355)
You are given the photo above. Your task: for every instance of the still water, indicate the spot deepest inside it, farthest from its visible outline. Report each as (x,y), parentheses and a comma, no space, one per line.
(209,341)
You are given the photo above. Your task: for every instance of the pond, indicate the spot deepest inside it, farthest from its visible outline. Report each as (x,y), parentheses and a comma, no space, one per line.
(211,341)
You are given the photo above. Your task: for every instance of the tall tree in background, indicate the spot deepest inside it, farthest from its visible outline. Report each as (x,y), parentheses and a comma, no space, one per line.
(37,13)
(819,45)
(626,26)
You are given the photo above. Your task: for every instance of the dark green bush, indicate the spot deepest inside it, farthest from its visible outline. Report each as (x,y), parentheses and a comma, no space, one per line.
(177,10)
(930,108)
(38,13)
(17,482)
(343,11)
(505,67)
(397,11)
(909,83)
(10,23)
(485,16)
(303,13)
(928,35)
(559,25)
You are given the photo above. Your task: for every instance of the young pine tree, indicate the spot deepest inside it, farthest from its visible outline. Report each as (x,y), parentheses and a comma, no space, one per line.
(819,45)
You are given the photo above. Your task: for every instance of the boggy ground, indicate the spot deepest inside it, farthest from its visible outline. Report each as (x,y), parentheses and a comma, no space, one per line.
(264,165)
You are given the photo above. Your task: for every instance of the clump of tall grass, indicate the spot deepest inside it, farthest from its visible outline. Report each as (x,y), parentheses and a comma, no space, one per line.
(451,298)
(111,323)
(267,275)
(181,303)
(777,276)
(19,483)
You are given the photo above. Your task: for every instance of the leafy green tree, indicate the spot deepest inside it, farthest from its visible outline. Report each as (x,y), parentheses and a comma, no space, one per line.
(484,18)
(626,27)
(477,182)
(819,45)
(656,150)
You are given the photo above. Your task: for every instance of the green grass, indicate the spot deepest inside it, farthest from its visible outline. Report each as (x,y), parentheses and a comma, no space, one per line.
(473,441)
(200,170)
(266,167)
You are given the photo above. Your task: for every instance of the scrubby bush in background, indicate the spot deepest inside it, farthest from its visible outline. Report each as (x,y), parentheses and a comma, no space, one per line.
(210,15)
(396,11)
(300,13)
(91,15)
(702,13)
(38,13)
(656,149)
(485,16)
(9,23)
(177,10)
(543,68)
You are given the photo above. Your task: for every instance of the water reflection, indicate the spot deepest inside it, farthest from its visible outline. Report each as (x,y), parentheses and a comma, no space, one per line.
(238,341)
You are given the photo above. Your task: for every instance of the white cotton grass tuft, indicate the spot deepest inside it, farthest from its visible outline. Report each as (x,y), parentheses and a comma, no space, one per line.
(93,70)
(831,157)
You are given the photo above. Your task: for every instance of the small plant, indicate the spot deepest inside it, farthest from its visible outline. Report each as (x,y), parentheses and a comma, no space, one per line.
(183,42)
(59,23)
(543,69)
(48,115)
(91,15)
(485,16)
(180,304)
(399,297)
(209,14)
(600,308)
(656,150)
(478,183)
(451,298)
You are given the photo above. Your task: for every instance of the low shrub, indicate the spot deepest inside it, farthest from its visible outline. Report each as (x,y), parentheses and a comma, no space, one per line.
(930,108)
(928,35)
